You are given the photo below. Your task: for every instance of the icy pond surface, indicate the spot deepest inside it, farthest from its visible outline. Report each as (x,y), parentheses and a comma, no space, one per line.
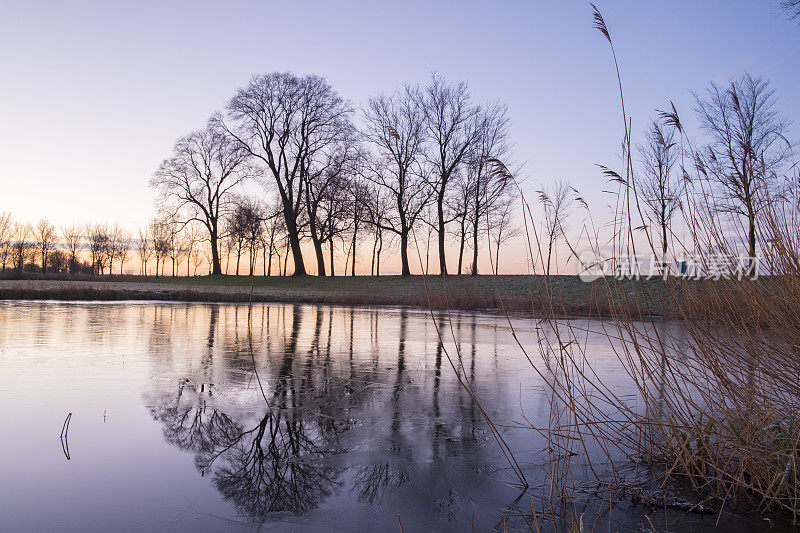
(194,417)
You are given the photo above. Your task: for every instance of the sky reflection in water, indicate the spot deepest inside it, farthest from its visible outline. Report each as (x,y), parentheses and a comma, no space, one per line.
(353,417)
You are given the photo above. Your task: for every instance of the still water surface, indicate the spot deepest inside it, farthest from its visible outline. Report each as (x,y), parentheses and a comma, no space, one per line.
(190,417)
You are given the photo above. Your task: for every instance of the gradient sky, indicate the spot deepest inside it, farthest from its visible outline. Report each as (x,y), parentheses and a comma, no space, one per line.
(93,94)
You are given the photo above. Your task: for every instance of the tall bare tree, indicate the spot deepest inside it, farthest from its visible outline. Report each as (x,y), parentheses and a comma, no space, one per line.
(72,237)
(657,184)
(286,121)
(205,167)
(747,146)
(326,182)
(45,235)
(489,179)
(451,123)
(395,129)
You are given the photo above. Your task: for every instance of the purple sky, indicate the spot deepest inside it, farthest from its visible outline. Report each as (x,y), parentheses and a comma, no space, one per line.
(93,94)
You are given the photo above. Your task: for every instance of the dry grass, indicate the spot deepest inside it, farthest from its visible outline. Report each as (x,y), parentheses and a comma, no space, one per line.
(565,295)
(716,414)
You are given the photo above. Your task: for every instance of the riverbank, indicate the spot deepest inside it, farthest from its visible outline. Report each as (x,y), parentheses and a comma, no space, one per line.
(570,296)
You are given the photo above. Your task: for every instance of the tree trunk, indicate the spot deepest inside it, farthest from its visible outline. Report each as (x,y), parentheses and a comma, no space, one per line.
(428,251)
(252,259)
(475,248)
(372,263)
(461,246)
(294,240)
(378,259)
(238,257)
(440,213)
(353,249)
(497,258)
(286,256)
(331,252)
(752,238)
(404,252)
(216,265)
(319,254)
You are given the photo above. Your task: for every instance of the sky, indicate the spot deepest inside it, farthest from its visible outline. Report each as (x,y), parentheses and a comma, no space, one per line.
(94,94)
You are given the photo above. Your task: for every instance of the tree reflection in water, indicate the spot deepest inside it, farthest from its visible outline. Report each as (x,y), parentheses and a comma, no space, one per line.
(331,389)
(261,474)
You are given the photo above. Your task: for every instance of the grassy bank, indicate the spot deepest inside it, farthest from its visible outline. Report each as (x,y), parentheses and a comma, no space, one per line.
(514,293)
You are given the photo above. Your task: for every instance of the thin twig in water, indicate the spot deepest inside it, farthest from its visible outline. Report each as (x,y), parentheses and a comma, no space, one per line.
(65,427)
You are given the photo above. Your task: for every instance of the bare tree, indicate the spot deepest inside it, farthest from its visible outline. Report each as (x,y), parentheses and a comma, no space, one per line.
(6,230)
(117,240)
(205,167)
(45,235)
(326,182)
(57,261)
(556,202)
(285,121)
(502,228)
(98,246)
(358,208)
(21,247)
(395,129)
(122,247)
(459,205)
(72,236)
(229,244)
(245,226)
(144,247)
(747,145)
(270,234)
(488,177)
(378,212)
(658,187)
(197,257)
(175,240)
(193,237)
(160,233)
(451,123)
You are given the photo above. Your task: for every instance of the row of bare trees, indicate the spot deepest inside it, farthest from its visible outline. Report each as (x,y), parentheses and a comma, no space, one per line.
(743,162)
(42,247)
(423,160)
(286,164)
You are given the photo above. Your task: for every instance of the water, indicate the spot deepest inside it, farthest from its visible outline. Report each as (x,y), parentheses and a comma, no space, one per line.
(189,417)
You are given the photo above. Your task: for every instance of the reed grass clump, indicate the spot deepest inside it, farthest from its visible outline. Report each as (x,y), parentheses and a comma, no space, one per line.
(713,422)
